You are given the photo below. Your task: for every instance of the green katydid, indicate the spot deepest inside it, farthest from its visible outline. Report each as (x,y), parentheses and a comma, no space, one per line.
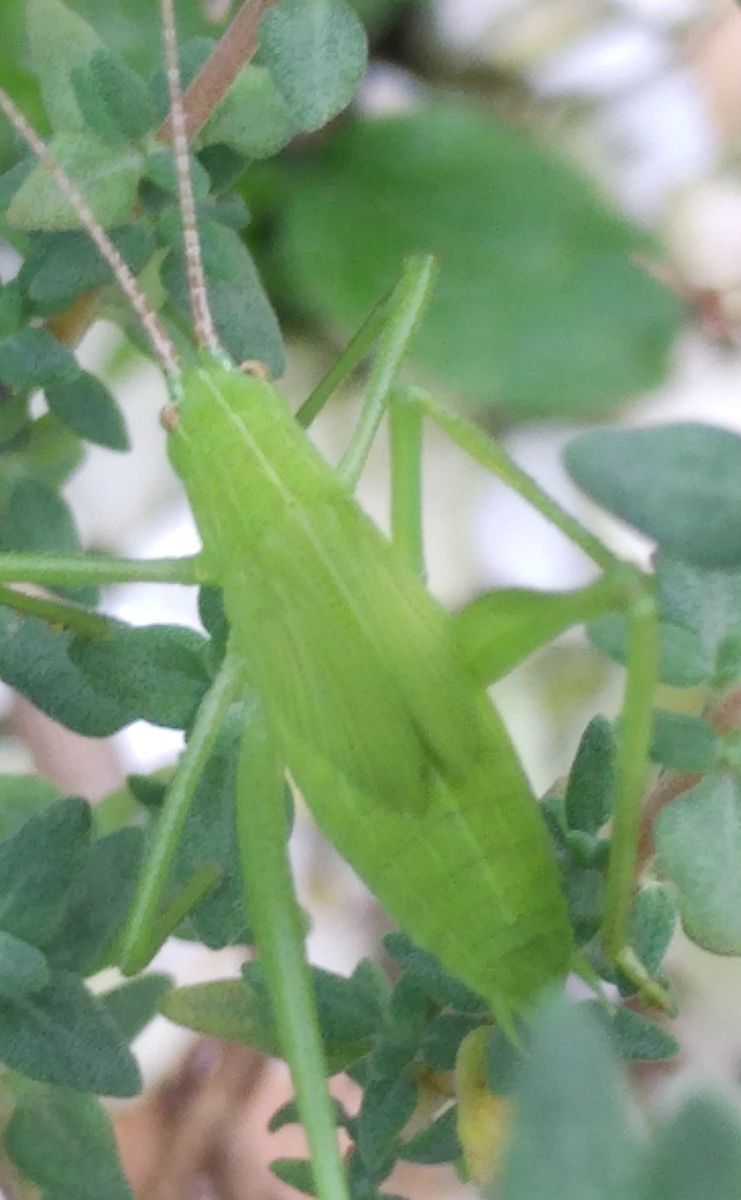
(357,683)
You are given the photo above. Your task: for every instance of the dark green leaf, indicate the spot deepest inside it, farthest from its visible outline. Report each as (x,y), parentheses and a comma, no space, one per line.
(652,922)
(431,976)
(590,790)
(62,265)
(537,308)
(60,41)
(442,1038)
(64,1142)
(23,968)
(11,308)
(155,673)
(244,318)
(634,1038)
(253,117)
(502,1063)
(498,630)
(584,890)
(316,53)
(50,453)
(570,1140)
(37,520)
(63,1035)
(708,603)
(98,902)
(33,358)
(107,176)
(240,1011)
(213,619)
(132,1005)
(209,838)
(38,866)
(88,408)
(113,99)
(698,842)
(438,1143)
(296,1172)
(678,484)
(13,414)
(696,1154)
(387,1106)
(20,797)
(34,660)
(160,170)
(683,742)
(229,1009)
(683,660)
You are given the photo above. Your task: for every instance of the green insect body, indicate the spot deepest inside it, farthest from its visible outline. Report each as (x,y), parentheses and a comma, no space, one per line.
(403,760)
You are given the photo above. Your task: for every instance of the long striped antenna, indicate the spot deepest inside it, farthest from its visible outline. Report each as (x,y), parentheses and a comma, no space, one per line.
(162,346)
(203,324)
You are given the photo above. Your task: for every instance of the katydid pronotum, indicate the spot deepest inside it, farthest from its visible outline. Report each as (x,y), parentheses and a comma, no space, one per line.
(358,684)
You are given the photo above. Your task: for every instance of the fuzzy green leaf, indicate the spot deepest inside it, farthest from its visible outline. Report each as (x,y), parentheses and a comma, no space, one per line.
(98,902)
(59,266)
(20,797)
(33,358)
(133,1005)
(209,838)
(697,1153)
(590,791)
(113,99)
(244,317)
(23,968)
(555,322)
(34,659)
(11,308)
(683,660)
(678,484)
(253,117)
(436,1144)
(107,176)
(431,976)
(387,1106)
(60,42)
(570,1140)
(652,923)
(316,52)
(38,866)
(708,603)
(64,1143)
(698,842)
(443,1036)
(87,407)
(37,519)
(63,1035)
(155,673)
(634,1037)
(296,1172)
(683,742)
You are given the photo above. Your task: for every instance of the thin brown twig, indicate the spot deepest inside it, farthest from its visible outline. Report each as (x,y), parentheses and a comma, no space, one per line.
(232,52)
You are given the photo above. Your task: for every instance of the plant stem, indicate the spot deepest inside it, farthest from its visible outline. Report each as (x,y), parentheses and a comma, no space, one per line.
(642,667)
(56,612)
(73,570)
(233,51)
(144,934)
(277,922)
(405,438)
(404,313)
(481,446)
(350,358)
